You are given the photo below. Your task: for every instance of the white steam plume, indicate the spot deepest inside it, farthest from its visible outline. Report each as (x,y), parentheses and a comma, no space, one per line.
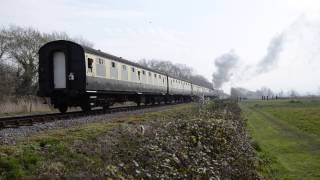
(224,65)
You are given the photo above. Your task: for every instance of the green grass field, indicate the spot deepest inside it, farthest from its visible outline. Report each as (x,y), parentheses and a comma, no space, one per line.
(286,135)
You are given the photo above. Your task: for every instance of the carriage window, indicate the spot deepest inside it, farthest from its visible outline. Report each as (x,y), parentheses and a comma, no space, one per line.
(124,67)
(143,72)
(90,62)
(150,74)
(163,81)
(155,75)
(159,77)
(139,75)
(101,61)
(113,64)
(132,69)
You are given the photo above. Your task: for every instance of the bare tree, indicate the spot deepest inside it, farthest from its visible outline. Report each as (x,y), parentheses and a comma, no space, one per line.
(200,80)
(176,70)
(4,41)
(281,93)
(64,36)
(293,94)
(8,79)
(20,45)
(8,75)
(265,91)
(24,44)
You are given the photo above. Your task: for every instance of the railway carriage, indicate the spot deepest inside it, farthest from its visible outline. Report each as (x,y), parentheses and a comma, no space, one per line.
(178,86)
(74,75)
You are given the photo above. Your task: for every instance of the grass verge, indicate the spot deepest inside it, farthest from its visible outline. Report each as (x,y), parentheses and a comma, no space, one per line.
(188,141)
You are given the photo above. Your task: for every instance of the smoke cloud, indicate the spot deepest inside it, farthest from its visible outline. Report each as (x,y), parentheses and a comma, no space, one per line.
(295,49)
(273,52)
(224,65)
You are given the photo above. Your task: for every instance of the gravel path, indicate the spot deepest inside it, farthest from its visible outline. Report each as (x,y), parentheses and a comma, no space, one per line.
(9,136)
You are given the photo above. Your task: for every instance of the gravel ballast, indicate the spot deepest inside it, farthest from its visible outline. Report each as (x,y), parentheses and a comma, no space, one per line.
(9,136)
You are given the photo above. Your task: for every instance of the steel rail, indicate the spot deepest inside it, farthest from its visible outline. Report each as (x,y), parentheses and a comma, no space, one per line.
(17,121)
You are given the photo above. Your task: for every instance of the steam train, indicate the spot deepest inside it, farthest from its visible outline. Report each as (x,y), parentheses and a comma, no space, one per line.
(74,75)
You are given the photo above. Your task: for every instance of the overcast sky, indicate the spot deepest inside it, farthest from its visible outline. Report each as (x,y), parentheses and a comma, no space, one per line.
(281,35)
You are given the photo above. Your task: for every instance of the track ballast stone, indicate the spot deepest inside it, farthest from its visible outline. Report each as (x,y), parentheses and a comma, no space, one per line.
(10,135)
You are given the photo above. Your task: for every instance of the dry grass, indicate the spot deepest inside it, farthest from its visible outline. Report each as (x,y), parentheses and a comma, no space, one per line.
(23,105)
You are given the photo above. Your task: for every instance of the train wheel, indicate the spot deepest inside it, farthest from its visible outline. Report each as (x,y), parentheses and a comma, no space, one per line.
(63,108)
(147,102)
(106,107)
(85,107)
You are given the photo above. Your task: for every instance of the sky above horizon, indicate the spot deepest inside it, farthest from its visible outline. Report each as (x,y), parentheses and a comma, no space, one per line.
(195,33)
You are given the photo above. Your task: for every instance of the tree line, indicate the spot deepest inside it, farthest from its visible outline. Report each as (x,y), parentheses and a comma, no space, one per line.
(264,91)
(19,48)
(176,70)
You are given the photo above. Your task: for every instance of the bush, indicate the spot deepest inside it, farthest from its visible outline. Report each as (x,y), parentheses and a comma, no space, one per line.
(198,144)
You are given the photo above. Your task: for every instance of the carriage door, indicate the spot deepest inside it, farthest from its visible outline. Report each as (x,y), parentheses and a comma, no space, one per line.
(59,70)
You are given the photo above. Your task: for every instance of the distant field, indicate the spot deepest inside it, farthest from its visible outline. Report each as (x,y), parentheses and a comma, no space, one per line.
(286,134)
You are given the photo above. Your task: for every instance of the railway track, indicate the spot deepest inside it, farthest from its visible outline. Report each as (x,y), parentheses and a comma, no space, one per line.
(17,121)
